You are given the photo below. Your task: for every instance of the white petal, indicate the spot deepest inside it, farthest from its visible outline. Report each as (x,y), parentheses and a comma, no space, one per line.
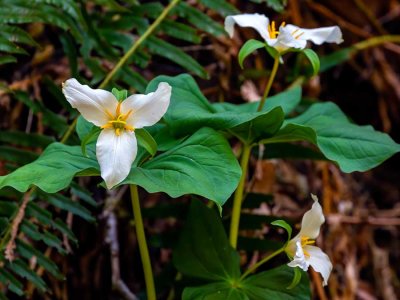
(299,260)
(115,155)
(256,21)
(287,38)
(319,261)
(312,221)
(147,109)
(92,104)
(318,36)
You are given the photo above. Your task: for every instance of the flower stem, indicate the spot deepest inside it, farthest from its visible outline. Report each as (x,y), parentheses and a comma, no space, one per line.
(144,252)
(261,262)
(136,45)
(127,55)
(269,84)
(238,197)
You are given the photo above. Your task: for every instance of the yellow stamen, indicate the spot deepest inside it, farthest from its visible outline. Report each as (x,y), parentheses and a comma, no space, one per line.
(305,240)
(273,33)
(118,121)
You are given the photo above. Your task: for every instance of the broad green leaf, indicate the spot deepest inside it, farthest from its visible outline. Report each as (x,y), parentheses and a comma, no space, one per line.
(214,291)
(249,47)
(146,140)
(313,59)
(352,147)
(287,100)
(284,225)
(292,151)
(203,165)
(273,284)
(189,110)
(203,251)
(52,171)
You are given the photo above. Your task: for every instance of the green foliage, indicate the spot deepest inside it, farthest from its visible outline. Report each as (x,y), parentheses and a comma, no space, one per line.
(277,5)
(249,47)
(204,253)
(313,59)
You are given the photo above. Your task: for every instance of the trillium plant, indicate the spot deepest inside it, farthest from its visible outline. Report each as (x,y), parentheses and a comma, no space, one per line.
(173,141)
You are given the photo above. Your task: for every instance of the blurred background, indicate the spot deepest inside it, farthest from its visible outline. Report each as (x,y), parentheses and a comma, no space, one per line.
(84,39)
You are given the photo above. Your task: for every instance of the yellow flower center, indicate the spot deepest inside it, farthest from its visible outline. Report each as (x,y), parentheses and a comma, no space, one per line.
(273,33)
(118,121)
(305,240)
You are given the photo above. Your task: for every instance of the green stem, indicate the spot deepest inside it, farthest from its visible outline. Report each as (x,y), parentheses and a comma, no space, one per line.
(376,41)
(261,262)
(269,84)
(144,252)
(238,197)
(127,55)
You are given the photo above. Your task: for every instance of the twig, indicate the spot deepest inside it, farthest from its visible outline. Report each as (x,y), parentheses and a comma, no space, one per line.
(112,239)
(9,252)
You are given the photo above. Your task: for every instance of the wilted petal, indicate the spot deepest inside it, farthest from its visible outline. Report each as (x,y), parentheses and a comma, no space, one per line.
(147,110)
(319,261)
(115,155)
(318,36)
(92,104)
(256,21)
(312,221)
(299,259)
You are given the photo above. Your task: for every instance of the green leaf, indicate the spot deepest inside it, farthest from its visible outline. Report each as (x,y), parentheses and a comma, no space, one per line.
(288,100)
(67,204)
(313,58)
(45,171)
(180,31)
(221,6)
(203,165)
(90,138)
(277,5)
(352,147)
(11,282)
(146,140)
(121,95)
(249,47)
(335,58)
(7,59)
(296,278)
(28,252)
(203,251)
(284,225)
(273,284)
(25,139)
(199,19)
(22,269)
(214,291)
(15,34)
(189,110)
(176,55)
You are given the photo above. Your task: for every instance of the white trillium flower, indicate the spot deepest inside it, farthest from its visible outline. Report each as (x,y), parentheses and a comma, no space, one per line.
(300,248)
(116,147)
(287,36)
